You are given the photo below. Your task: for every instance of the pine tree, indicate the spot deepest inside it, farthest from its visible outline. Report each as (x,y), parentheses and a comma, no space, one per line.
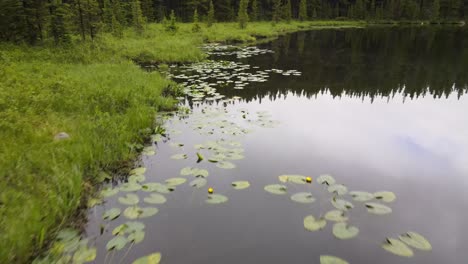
(435,10)
(287,13)
(211,15)
(171,25)
(91,11)
(147,10)
(303,10)
(107,14)
(254,15)
(138,21)
(242,15)
(196,27)
(59,13)
(118,19)
(276,11)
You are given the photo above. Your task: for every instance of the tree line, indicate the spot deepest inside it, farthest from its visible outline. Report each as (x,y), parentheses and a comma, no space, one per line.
(33,21)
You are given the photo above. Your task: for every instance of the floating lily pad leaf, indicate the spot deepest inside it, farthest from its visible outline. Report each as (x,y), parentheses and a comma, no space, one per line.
(108,192)
(199,146)
(156,138)
(120,230)
(186,171)
(129,227)
(111,214)
(179,156)
(155,198)
(150,259)
(342,204)
(67,235)
(116,243)
(336,216)
(129,199)
(326,259)
(339,189)
(326,179)
(84,254)
(198,183)
(225,165)
(299,179)
(140,212)
(385,196)
(303,197)
(175,181)
(130,187)
(93,202)
(136,237)
(312,224)
(200,172)
(379,209)
(216,199)
(136,178)
(276,189)
(138,171)
(239,185)
(344,231)
(176,144)
(148,151)
(235,156)
(157,187)
(200,157)
(416,240)
(397,247)
(361,196)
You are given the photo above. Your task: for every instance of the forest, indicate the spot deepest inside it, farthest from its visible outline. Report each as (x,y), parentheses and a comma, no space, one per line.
(32,21)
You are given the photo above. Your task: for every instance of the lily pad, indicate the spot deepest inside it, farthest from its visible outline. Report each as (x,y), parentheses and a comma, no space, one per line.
(326,179)
(93,202)
(156,187)
(276,189)
(130,187)
(140,212)
(299,179)
(175,181)
(148,151)
(379,209)
(225,165)
(186,171)
(397,247)
(385,196)
(156,138)
(129,199)
(198,183)
(341,204)
(150,259)
(111,214)
(326,259)
(200,172)
(108,192)
(361,196)
(416,240)
(136,178)
(339,189)
(239,185)
(179,156)
(312,224)
(216,199)
(155,198)
(344,231)
(129,227)
(138,171)
(116,243)
(303,197)
(336,216)
(84,254)
(136,237)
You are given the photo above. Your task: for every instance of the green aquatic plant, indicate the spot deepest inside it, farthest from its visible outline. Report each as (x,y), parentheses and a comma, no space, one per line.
(276,189)
(312,224)
(344,231)
(303,197)
(240,185)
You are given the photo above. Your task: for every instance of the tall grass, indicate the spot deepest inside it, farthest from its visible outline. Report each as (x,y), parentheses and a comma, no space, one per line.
(95,93)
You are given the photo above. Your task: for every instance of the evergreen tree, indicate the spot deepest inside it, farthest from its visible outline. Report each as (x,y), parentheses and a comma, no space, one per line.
(211,15)
(254,15)
(138,21)
(91,18)
(118,19)
(435,10)
(303,10)
(171,25)
(287,12)
(107,15)
(276,11)
(242,15)
(59,13)
(147,9)
(196,27)
(314,14)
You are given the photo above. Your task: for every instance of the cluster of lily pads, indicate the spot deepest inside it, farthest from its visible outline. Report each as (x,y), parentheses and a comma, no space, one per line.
(373,202)
(231,50)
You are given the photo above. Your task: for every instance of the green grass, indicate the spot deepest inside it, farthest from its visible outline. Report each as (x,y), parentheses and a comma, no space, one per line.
(104,101)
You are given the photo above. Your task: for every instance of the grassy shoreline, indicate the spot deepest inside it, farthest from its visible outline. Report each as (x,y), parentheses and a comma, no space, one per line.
(97,94)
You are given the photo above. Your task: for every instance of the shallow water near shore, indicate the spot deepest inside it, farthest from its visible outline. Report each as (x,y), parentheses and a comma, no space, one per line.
(368,106)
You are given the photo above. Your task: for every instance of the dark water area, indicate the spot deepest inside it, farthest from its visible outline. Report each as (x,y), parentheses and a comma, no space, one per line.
(377,108)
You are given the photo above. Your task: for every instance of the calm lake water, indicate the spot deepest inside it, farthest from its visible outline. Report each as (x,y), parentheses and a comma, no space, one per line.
(379,109)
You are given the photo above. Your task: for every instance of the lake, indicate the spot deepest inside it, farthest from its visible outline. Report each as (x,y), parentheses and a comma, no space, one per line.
(379,109)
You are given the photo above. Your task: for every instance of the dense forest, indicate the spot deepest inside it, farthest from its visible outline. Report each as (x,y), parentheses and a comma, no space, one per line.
(32,21)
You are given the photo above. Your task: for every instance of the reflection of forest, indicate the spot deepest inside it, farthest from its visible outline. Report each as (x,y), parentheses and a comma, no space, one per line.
(365,62)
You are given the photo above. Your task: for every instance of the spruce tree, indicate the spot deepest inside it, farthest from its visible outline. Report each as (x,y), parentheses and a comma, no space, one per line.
(254,15)
(171,25)
(287,13)
(196,27)
(59,13)
(242,16)
(107,14)
(118,19)
(211,15)
(91,17)
(147,10)
(138,21)
(435,10)
(303,10)
(276,16)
